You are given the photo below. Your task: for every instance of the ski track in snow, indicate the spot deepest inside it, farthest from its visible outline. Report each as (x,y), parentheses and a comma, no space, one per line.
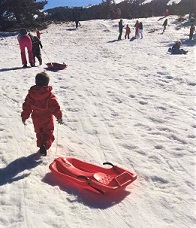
(128,102)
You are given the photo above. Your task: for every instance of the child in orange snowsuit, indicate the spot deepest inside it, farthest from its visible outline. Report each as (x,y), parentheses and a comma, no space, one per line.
(42,105)
(128,31)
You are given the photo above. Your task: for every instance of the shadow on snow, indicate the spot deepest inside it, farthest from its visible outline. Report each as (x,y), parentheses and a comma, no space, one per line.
(12,172)
(85,196)
(9,69)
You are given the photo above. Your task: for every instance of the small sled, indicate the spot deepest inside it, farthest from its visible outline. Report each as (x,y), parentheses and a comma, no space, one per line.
(95,178)
(56,66)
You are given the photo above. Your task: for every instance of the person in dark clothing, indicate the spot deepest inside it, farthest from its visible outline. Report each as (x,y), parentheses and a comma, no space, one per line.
(76,18)
(192,30)
(36,43)
(165,23)
(120,26)
(176,48)
(140,32)
(77,23)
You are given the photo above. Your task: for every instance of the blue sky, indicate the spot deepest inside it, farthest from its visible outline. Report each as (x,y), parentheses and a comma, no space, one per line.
(57,3)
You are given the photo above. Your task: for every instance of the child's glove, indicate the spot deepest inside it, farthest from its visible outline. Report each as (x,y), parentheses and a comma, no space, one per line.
(60,120)
(24,122)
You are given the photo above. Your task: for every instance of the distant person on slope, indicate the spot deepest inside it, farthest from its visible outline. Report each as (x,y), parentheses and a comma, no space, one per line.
(38,34)
(118,13)
(192,30)
(36,48)
(120,26)
(25,43)
(165,23)
(128,31)
(77,23)
(136,29)
(42,105)
(176,48)
(140,30)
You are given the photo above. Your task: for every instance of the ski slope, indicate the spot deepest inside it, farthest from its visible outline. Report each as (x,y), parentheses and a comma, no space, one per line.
(127,102)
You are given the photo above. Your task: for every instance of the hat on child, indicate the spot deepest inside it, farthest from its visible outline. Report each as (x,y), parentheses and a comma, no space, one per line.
(22,31)
(178,42)
(42,79)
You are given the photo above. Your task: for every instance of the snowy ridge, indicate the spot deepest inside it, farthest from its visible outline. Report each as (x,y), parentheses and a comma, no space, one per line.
(170,2)
(128,102)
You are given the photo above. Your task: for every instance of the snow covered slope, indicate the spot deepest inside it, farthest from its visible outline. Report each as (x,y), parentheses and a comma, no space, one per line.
(128,102)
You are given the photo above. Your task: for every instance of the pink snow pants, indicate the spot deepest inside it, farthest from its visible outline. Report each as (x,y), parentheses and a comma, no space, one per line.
(25,42)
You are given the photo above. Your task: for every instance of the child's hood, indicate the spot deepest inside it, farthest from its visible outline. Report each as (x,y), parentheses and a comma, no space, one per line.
(40,92)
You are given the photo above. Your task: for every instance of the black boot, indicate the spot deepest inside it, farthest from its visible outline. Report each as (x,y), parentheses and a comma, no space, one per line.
(43,150)
(32,64)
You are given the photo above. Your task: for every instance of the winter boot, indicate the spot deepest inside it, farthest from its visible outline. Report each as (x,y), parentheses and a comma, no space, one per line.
(43,150)
(32,64)
(40,62)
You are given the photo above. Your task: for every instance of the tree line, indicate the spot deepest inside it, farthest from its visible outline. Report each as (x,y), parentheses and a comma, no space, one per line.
(17,13)
(30,13)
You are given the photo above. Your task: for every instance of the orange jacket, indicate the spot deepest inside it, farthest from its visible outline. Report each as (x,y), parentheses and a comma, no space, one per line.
(128,30)
(40,101)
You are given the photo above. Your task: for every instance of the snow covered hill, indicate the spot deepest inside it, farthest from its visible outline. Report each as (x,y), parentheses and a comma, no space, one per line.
(128,102)
(148,1)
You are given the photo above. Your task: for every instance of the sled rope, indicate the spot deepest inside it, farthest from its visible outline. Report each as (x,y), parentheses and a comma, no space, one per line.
(46,55)
(25,136)
(71,131)
(57,138)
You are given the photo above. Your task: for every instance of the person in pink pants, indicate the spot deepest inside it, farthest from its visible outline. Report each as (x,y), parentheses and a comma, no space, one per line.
(25,43)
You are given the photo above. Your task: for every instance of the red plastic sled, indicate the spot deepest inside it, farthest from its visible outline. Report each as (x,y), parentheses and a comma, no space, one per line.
(56,66)
(95,178)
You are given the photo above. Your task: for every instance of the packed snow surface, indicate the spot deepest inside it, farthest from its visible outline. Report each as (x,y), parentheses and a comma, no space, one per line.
(128,102)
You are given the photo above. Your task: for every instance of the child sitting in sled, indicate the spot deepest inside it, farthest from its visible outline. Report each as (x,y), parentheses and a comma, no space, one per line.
(176,48)
(42,105)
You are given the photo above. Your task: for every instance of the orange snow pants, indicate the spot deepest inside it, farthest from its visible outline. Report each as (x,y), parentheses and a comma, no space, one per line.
(44,128)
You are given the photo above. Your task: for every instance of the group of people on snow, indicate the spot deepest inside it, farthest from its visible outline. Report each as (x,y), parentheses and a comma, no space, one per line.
(175,49)
(40,103)
(138,30)
(32,44)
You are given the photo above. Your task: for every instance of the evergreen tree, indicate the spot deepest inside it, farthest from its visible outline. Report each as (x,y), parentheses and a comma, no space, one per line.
(20,11)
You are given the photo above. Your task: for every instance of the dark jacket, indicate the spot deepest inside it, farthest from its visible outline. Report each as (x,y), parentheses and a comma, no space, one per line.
(120,25)
(176,50)
(36,43)
(140,25)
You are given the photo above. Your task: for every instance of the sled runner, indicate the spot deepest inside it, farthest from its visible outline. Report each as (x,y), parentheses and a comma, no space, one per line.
(95,178)
(56,66)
